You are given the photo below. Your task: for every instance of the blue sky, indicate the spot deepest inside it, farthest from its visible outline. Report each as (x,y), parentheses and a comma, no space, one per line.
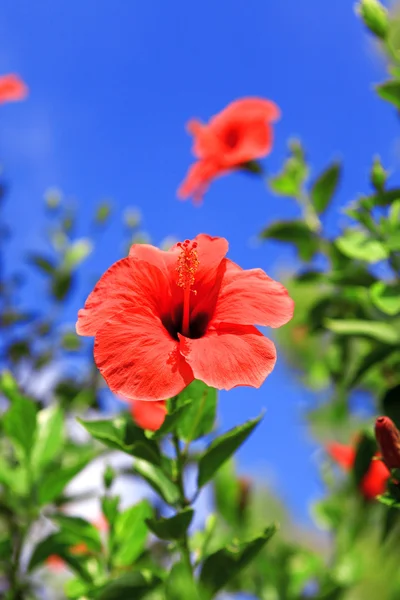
(112,85)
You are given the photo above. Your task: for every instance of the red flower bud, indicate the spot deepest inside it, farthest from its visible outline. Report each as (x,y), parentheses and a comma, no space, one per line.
(388,438)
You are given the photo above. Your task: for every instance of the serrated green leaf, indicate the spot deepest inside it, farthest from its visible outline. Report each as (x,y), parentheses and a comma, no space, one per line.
(172,528)
(324,188)
(130,534)
(222,448)
(377,330)
(222,566)
(294,232)
(157,480)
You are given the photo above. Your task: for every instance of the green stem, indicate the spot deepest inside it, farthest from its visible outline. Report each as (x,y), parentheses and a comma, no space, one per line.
(183,502)
(309,213)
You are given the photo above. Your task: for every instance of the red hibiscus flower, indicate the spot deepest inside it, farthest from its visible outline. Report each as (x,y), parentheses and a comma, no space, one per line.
(164,318)
(149,415)
(240,133)
(374,481)
(12,88)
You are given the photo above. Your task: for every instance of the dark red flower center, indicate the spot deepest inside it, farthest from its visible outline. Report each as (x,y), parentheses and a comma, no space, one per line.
(180,320)
(231,137)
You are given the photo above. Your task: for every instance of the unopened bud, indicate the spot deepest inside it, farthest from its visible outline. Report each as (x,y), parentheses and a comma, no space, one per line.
(375,17)
(388,438)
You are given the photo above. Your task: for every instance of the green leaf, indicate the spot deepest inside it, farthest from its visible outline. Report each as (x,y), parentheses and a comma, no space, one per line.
(390,91)
(41,262)
(295,232)
(130,531)
(325,187)
(180,584)
(227,492)
(80,529)
(71,342)
(61,284)
(386,297)
(289,182)
(222,566)
(253,167)
(53,483)
(376,356)
(110,508)
(365,451)
(8,385)
(360,245)
(134,586)
(377,330)
(61,544)
(157,480)
(391,404)
(121,433)
(171,421)
(20,423)
(198,418)
(77,252)
(173,528)
(103,212)
(385,198)
(49,438)
(222,448)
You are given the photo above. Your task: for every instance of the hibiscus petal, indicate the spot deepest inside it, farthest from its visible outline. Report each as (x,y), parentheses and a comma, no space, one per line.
(12,88)
(206,143)
(252,298)
(247,109)
(342,454)
(229,356)
(198,179)
(128,283)
(149,415)
(139,359)
(163,259)
(374,482)
(254,140)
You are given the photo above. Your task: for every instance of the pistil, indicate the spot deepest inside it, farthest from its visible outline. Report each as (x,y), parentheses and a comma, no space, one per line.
(187,266)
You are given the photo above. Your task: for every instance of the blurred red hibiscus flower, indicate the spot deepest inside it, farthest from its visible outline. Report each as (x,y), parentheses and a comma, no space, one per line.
(374,481)
(163,318)
(240,133)
(149,415)
(12,88)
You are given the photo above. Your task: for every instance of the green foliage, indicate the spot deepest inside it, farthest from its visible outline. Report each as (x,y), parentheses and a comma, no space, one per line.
(173,528)
(324,188)
(222,448)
